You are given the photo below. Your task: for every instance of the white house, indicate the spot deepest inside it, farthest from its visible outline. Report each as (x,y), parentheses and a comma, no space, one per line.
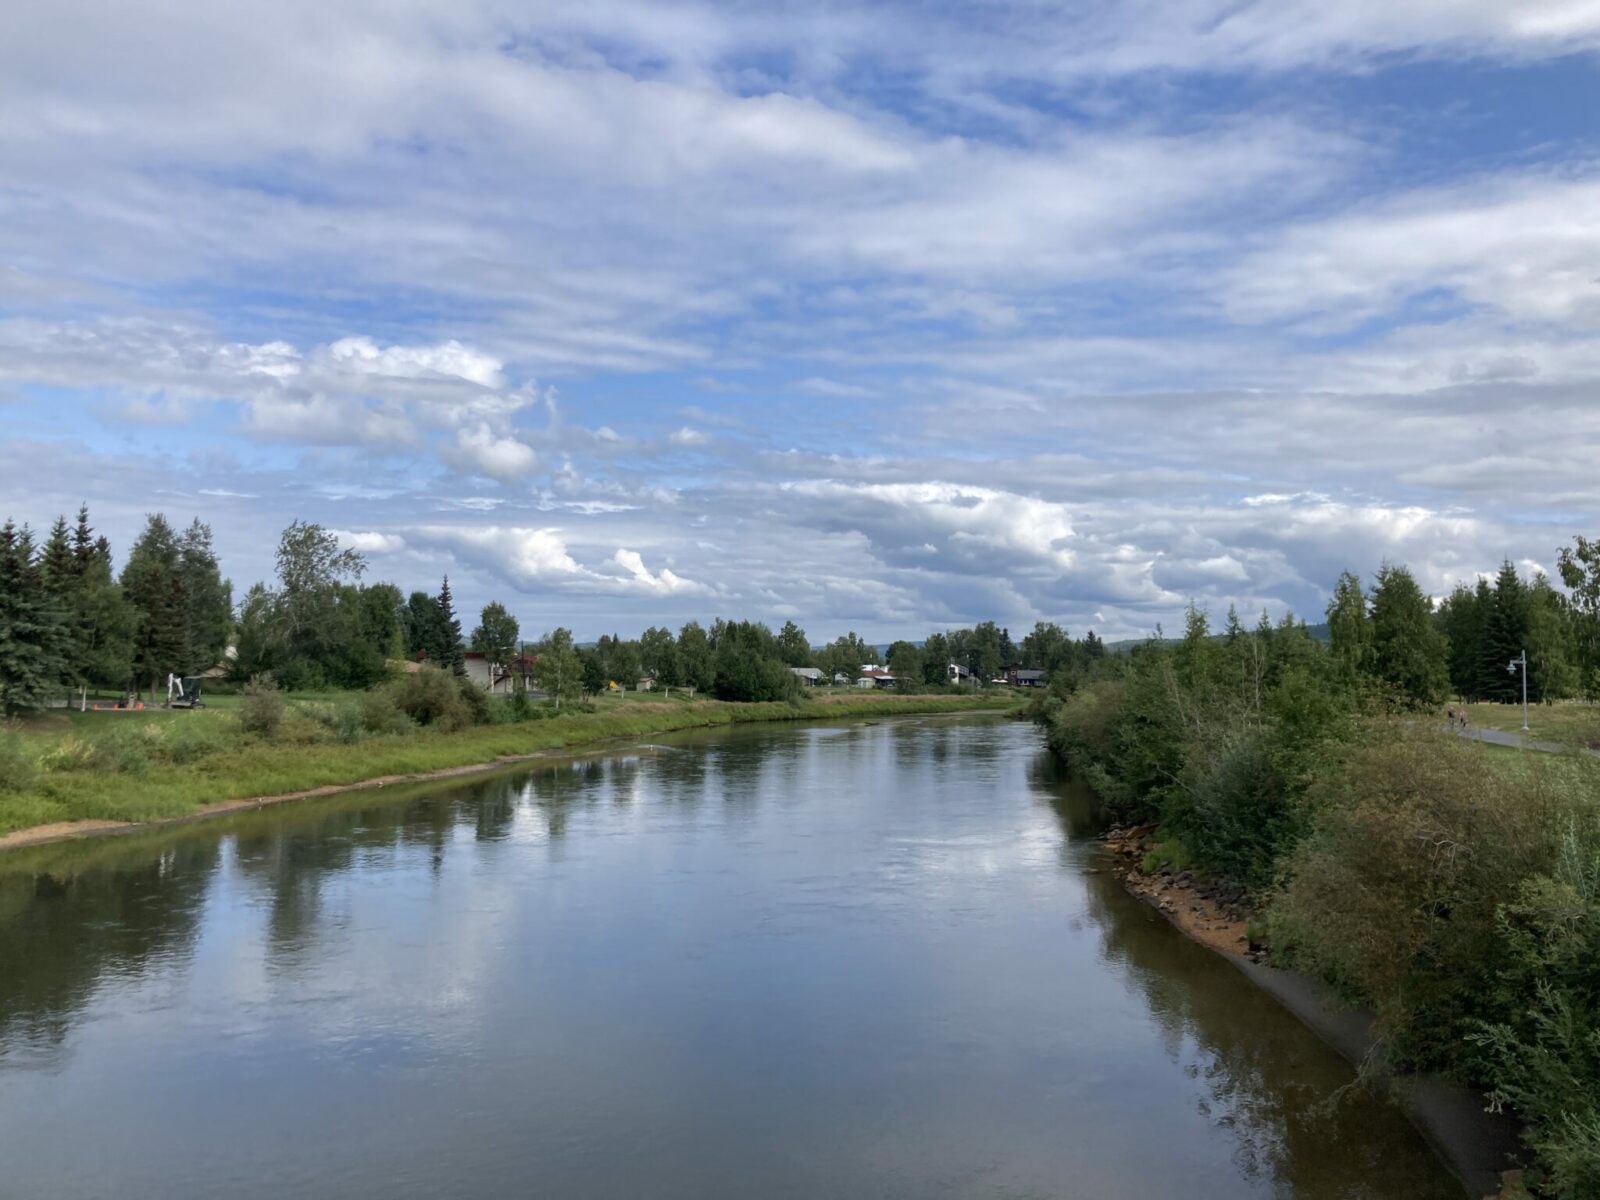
(809,676)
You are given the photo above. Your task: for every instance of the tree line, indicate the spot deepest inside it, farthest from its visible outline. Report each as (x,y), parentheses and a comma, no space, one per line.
(70,621)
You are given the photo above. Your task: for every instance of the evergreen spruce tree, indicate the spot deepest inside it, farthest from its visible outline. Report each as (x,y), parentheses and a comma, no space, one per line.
(208,601)
(449,653)
(153,582)
(1461,619)
(1409,654)
(1349,628)
(31,636)
(1505,636)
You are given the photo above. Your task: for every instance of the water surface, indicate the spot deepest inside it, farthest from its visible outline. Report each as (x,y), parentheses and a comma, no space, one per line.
(863,961)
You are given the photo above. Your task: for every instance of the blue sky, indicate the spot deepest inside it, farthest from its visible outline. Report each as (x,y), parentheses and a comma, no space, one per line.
(884,318)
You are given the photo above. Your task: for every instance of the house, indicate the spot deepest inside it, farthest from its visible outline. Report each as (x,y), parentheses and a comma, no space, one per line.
(809,676)
(875,677)
(491,677)
(841,680)
(646,683)
(1024,677)
(959,674)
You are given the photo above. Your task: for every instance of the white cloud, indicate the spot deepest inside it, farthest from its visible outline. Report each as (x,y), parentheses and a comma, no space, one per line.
(688,437)
(479,449)
(369,541)
(663,583)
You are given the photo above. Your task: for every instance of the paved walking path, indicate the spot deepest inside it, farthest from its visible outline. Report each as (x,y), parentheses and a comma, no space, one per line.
(1516,741)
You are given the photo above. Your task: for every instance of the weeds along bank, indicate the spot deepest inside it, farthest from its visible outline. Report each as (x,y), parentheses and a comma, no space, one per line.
(1451,887)
(152,765)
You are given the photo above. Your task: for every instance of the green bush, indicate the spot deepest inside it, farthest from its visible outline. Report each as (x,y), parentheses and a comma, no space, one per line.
(439,700)
(261,707)
(17,768)
(191,739)
(1233,813)
(1394,896)
(125,748)
(344,720)
(1542,1046)
(379,714)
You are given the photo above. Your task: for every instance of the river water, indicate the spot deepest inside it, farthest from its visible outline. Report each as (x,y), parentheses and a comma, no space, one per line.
(854,961)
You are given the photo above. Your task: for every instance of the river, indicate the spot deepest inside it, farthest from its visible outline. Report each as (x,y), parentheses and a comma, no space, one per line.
(817,961)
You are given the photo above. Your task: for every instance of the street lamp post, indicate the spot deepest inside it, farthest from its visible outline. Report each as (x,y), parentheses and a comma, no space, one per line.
(1521,660)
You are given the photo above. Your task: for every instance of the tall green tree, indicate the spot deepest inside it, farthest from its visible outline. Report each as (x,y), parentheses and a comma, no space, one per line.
(208,601)
(103,622)
(1505,636)
(423,625)
(1461,620)
(1350,627)
(695,660)
(936,659)
(32,636)
(793,645)
(1409,654)
(495,636)
(1579,567)
(450,654)
(1553,672)
(658,654)
(557,668)
(905,664)
(153,582)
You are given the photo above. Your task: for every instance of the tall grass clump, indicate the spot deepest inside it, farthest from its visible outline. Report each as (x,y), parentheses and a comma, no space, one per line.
(17,766)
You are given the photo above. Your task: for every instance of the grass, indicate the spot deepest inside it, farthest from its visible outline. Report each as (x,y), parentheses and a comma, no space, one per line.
(1569,722)
(144,766)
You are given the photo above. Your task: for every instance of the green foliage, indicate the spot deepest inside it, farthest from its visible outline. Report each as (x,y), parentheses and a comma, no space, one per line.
(558,669)
(262,707)
(17,766)
(439,699)
(380,714)
(793,646)
(1409,655)
(495,636)
(748,666)
(1417,840)
(32,634)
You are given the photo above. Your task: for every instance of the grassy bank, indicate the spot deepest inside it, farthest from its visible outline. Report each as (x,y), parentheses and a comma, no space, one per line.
(1567,722)
(1451,888)
(157,764)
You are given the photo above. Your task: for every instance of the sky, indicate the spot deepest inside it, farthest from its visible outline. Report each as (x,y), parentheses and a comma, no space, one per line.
(884,318)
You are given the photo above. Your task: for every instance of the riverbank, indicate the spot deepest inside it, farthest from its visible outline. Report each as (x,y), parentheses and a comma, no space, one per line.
(1480,1147)
(71,798)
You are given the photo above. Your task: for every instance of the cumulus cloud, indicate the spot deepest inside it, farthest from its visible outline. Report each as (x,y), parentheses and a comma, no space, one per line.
(663,583)
(688,437)
(478,449)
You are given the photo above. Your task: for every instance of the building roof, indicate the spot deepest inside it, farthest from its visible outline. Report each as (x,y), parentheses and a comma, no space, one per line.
(807,672)
(1030,674)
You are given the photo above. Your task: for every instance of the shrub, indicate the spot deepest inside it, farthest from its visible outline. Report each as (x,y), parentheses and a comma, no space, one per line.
(1233,814)
(344,720)
(1393,896)
(1542,1048)
(379,714)
(17,769)
(124,748)
(261,707)
(191,739)
(438,699)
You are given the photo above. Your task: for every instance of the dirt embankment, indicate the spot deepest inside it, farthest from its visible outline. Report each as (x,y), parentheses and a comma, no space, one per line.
(1212,913)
